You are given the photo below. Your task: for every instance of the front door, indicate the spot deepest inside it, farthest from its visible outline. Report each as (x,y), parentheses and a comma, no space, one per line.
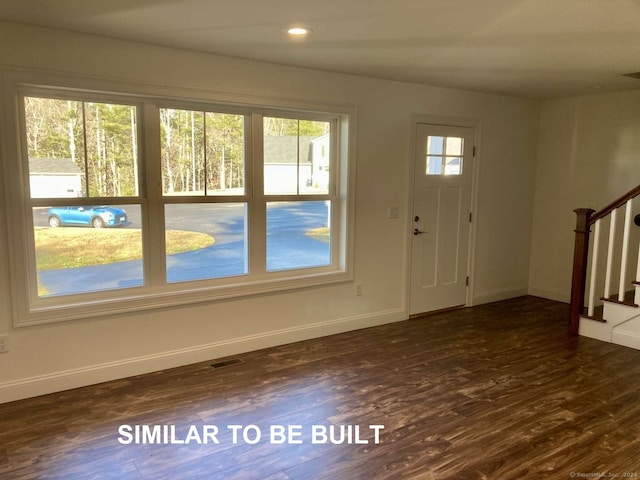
(440,222)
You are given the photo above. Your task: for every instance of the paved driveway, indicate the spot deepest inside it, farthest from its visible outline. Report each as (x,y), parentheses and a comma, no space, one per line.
(288,247)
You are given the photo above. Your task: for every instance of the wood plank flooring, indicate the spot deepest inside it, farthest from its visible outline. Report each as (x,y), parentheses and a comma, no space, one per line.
(492,392)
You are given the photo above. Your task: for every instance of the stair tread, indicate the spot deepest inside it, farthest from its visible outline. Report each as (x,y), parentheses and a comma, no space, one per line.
(629,299)
(620,302)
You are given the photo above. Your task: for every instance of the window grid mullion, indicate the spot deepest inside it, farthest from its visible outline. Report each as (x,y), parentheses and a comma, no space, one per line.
(204,145)
(153,221)
(84,150)
(257,208)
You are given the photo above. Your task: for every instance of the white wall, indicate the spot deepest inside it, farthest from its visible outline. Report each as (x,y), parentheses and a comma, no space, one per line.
(49,357)
(588,156)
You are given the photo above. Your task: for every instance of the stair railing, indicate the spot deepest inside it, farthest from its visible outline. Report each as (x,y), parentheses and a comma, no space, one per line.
(585,219)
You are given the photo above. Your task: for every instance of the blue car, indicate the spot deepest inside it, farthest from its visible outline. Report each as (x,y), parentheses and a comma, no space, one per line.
(96,217)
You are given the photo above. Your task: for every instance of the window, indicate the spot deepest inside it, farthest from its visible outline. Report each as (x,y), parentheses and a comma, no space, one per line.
(203,156)
(296,163)
(137,203)
(444,155)
(80,151)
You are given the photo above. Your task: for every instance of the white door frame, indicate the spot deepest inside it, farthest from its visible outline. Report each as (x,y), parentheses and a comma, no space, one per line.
(452,122)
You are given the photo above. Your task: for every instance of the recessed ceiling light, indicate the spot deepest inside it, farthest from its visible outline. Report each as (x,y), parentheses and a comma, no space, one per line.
(299,31)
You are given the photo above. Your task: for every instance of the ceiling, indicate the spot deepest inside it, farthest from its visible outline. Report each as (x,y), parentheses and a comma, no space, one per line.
(531,48)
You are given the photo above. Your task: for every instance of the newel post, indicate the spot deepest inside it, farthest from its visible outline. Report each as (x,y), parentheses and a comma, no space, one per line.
(580,255)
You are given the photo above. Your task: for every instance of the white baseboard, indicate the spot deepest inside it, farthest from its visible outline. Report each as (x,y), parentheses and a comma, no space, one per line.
(626,339)
(497,295)
(564,297)
(80,377)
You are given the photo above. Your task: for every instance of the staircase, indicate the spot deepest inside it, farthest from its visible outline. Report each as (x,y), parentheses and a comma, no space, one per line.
(609,310)
(619,323)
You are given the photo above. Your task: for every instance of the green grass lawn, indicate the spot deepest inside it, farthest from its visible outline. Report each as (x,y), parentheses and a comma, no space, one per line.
(58,248)
(321,234)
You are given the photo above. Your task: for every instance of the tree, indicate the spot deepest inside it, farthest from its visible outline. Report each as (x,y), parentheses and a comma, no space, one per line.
(277,127)
(53,129)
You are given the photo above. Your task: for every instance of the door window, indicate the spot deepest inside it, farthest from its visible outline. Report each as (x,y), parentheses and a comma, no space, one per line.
(444,155)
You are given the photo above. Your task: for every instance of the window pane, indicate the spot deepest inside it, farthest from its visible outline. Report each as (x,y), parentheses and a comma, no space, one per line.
(112,154)
(453,166)
(225,154)
(87,249)
(182,156)
(435,145)
(298,235)
(205,241)
(434,165)
(297,156)
(202,153)
(454,146)
(59,157)
(55,144)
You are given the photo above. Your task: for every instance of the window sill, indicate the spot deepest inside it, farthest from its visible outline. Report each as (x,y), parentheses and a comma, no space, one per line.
(142,299)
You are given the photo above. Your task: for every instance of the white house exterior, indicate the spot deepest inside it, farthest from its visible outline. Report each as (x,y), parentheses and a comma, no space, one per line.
(287,164)
(320,151)
(291,161)
(54,178)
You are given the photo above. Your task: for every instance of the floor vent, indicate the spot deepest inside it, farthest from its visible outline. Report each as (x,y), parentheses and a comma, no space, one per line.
(226,363)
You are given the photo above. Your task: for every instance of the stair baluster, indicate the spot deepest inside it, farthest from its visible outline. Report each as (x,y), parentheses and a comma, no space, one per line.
(637,279)
(625,251)
(594,270)
(612,240)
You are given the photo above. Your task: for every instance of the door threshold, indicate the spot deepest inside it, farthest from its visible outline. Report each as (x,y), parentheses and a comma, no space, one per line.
(435,312)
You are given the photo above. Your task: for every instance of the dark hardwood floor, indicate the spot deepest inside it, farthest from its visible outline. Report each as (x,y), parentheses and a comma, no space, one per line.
(492,392)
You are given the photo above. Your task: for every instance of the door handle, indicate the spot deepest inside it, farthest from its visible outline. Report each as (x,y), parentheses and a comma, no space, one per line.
(418,232)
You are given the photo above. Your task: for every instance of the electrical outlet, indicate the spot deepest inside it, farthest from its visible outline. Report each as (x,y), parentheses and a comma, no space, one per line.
(358,289)
(4,343)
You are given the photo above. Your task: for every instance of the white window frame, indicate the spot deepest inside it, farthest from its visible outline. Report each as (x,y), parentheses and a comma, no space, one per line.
(30,309)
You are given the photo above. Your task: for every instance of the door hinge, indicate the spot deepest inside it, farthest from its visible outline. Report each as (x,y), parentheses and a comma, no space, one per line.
(474,151)
(470,217)
(467,284)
